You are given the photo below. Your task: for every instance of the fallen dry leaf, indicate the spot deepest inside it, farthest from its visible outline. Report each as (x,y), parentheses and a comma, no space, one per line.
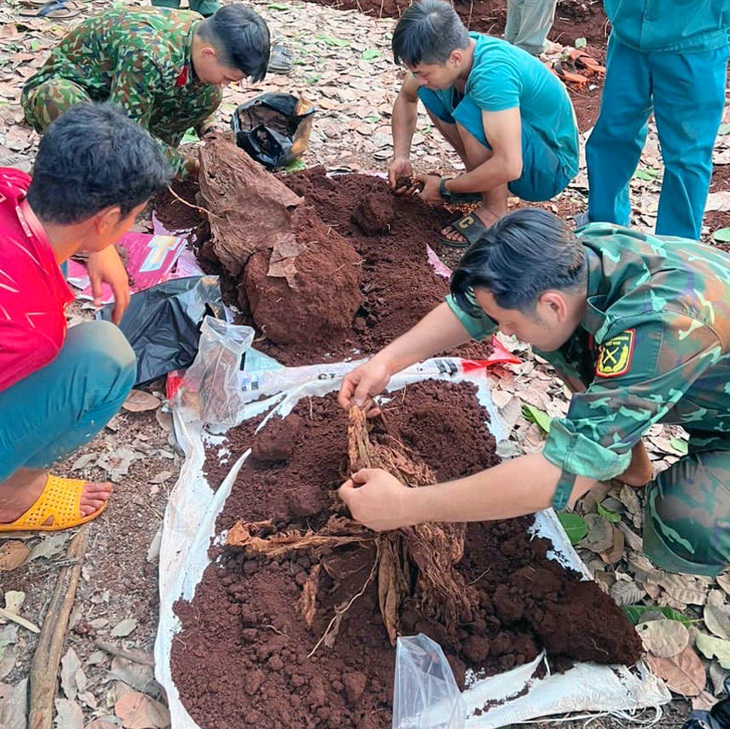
(663,638)
(684,673)
(69,714)
(139,401)
(712,647)
(704,702)
(12,555)
(717,614)
(123,628)
(138,711)
(14,705)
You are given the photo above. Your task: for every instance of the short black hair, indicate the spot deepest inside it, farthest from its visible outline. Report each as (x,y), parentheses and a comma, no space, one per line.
(427,33)
(91,158)
(521,256)
(241,38)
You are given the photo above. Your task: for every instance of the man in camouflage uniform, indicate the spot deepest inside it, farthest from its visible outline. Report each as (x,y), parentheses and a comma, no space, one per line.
(166,69)
(643,322)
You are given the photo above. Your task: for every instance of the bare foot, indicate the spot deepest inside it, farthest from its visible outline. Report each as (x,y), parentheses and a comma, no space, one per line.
(640,470)
(451,233)
(23,488)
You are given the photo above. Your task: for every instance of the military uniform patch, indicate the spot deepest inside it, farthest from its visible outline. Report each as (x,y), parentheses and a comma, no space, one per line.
(614,356)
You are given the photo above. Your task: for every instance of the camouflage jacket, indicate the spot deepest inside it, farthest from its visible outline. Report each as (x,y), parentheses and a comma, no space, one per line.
(138,58)
(653,346)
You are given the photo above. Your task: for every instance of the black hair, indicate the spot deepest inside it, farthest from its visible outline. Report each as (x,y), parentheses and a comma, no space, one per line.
(240,37)
(94,157)
(427,33)
(521,256)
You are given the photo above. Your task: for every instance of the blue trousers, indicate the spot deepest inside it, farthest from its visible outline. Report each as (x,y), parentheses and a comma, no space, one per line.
(56,409)
(543,176)
(686,92)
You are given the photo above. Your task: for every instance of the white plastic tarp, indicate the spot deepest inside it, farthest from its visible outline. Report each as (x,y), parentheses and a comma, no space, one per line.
(189,526)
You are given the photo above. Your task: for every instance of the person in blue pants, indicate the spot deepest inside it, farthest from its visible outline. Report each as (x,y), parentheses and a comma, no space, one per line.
(94,173)
(668,57)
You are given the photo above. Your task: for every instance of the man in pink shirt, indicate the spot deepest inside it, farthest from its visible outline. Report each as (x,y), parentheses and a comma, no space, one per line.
(94,173)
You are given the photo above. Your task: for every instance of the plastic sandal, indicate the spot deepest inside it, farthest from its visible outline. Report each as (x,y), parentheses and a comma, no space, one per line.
(59,503)
(53,10)
(281,59)
(583,60)
(471,229)
(568,75)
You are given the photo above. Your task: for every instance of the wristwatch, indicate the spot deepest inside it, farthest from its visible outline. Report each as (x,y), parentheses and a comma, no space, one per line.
(445,193)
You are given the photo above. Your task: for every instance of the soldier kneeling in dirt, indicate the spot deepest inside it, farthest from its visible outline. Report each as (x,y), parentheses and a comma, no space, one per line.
(94,172)
(506,115)
(639,326)
(165,68)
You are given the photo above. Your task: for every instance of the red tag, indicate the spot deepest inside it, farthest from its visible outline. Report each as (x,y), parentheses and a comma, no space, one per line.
(182,79)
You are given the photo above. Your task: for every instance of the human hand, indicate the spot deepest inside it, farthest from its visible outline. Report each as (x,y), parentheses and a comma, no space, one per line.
(360,385)
(400,168)
(429,188)
(192,165)
(106,267)
(378,500)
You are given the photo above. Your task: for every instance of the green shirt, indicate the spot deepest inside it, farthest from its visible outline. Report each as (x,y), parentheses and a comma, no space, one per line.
(653,347)
(505,77)
(140,59)
(670,25)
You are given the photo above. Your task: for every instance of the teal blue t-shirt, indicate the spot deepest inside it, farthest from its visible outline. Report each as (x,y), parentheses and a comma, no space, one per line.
(504,77)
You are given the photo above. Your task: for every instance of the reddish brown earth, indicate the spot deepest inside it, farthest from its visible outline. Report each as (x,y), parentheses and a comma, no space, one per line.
(243,657)
(398,284)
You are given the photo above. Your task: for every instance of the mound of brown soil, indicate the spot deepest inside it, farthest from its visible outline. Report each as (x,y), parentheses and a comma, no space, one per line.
(245,652)
(309,299)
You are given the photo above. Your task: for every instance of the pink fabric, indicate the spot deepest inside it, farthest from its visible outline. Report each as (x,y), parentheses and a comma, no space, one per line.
(33,292)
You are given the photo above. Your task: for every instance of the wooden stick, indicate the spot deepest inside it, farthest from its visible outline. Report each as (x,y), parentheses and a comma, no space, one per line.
(47,656)
(129,654)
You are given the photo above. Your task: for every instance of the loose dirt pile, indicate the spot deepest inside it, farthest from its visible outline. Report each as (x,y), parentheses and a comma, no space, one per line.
(308,317)
(296,278)
(246,650)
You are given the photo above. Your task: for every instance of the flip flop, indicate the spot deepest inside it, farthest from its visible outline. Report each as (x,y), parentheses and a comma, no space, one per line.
(566,72)
(583,60)
(60,501)
(281,59)
(470,227)
(53,10)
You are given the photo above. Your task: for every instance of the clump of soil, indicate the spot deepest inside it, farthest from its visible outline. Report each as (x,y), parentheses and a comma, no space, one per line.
(296,277)
(246,647)
(375,214)
(309,299)
(398,284)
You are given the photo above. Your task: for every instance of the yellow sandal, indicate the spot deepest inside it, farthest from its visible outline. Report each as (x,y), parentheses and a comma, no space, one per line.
(60,502)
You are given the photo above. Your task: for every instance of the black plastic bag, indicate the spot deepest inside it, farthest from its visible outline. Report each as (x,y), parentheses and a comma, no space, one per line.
(274,129)
(718,717)
(162,323)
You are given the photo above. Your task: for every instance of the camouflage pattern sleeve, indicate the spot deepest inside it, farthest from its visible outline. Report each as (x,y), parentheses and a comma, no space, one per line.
(135,85)
(478,327)
(641,375)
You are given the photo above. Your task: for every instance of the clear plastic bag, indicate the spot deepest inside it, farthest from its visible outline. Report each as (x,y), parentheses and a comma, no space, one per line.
(213,383)
(426,695)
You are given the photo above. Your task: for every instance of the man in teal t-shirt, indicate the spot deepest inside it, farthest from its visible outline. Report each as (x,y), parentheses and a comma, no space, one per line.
(506,115)
(668,57)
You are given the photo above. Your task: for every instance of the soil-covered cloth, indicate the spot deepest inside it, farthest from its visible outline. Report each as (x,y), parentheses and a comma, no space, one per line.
(256,647)
(296,278)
